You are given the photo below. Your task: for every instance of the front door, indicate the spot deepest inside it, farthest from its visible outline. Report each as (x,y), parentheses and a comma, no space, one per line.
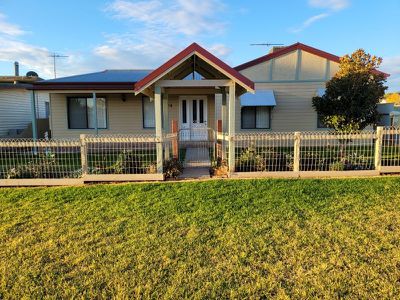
(193,118)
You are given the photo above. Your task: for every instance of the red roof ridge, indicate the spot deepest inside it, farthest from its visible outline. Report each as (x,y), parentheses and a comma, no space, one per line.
(191,49)
(293,47)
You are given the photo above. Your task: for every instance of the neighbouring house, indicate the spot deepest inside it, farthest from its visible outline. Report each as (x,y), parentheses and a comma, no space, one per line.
(271,93)
(16,96)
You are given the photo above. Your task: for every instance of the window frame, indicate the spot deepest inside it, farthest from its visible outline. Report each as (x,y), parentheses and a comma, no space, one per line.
(87,115)
(255,118)
(143,125)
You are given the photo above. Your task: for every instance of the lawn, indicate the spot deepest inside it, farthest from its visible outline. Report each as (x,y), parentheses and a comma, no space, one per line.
(337,238)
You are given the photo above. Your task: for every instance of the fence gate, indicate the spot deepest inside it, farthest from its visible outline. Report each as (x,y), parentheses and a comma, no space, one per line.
(197,147)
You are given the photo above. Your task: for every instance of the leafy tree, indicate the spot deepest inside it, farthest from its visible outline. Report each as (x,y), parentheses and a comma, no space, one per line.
(393,98)
(351,96)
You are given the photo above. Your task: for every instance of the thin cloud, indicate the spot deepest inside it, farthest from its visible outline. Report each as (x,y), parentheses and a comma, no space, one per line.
(161,29)
(187,17)
(9,29)
(334,5)
(155,38)
(309,22)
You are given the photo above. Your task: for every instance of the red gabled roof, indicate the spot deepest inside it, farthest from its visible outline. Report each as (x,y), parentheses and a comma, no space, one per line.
(193,49)
(288,49)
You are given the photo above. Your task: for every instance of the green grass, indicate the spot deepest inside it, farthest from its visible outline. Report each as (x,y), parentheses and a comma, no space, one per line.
(216,239)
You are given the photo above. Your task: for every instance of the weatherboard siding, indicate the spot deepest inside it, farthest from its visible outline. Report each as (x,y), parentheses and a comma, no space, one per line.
(294,78)
(123,117)
(15,109)
(293,110)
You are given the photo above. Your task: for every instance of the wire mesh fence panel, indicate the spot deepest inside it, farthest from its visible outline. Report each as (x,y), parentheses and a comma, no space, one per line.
(332,151)
(121,154)
(391,147)
(266,152)
(48,159)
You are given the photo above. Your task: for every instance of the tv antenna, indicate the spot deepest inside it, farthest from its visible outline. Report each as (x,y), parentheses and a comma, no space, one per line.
(55,56)
(266,44)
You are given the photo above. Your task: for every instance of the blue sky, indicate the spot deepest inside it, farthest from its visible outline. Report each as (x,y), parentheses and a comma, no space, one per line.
(122,34)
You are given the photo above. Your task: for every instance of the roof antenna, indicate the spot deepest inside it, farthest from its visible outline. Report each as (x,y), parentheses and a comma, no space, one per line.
(266,44)
(54,56)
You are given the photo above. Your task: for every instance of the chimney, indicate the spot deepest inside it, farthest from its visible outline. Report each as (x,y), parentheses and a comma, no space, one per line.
(16,68)
(276,48)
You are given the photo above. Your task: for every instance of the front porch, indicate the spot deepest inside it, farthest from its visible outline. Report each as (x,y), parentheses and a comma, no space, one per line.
(192,74)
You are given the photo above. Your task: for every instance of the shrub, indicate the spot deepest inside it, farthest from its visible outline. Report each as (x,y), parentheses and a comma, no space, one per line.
(250,161)
(311,161)
(127,163)
(337,166)
(44,165)
(219,167)
(355,161)
(172,168)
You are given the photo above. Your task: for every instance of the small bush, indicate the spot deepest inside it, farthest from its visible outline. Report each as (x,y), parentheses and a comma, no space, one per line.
(250,161)
(42,167)
(127,162)
(219,167)
(337,166)
(172,168)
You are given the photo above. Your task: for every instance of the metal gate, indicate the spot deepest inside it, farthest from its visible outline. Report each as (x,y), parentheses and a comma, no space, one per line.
(197,147)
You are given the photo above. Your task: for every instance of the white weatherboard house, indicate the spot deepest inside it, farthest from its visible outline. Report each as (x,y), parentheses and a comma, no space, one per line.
(16,97)
(195,88)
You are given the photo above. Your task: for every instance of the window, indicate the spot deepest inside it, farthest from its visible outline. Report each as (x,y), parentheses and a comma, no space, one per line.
(81,113)
(47,110)
(256,117)
(320,122)
(184,112)
(149,115)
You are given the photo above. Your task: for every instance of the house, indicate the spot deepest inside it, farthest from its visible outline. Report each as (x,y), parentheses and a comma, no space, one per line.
(16,106)
(271,93)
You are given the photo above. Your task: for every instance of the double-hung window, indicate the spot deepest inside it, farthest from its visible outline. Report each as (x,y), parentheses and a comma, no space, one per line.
(81,113)
(149,115)
(256,117)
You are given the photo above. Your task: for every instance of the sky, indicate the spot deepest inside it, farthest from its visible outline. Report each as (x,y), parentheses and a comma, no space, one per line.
(130,34)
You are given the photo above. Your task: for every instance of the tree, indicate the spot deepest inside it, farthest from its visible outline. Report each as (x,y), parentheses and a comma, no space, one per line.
(351,96)
(393,98)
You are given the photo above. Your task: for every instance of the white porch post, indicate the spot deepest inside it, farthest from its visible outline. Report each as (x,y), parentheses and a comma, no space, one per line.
(33,115)
(231,127)
(95,113)
(158,115)
(166,122)
(224,111)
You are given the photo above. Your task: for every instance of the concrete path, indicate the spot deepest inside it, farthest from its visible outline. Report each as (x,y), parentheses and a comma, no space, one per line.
(195,173)
(197,157)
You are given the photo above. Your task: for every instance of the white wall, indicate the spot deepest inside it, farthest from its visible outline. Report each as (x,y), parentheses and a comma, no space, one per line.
(15,109)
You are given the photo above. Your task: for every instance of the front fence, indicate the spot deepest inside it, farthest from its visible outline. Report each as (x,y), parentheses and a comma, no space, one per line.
(324,153)
(90,158)
(137,157)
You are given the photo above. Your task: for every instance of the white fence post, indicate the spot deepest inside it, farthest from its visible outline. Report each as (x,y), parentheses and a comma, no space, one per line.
(378,148)
(84,163)
(296,153)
